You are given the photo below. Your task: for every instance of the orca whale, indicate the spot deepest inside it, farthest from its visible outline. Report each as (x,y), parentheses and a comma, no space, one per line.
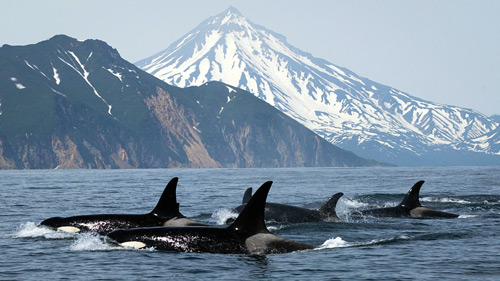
(409,207)
(282,213)
(165,213)
(248,234)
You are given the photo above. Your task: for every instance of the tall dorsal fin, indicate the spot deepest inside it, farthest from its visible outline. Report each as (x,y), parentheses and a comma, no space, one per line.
(247,196)
(251,219)
(328,208)
(167,206)
(411,200)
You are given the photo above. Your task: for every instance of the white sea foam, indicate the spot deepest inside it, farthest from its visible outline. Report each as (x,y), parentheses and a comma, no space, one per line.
(444,200)
(381,241)
(491,203)
(353,204)
(467,216)
(222,215)
(346,207)
(95,242)
(90,242)
(273,228)
(337,242)
(391,204)
(32,230)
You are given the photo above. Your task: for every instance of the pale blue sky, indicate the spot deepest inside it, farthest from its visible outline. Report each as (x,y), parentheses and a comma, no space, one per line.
(445,51)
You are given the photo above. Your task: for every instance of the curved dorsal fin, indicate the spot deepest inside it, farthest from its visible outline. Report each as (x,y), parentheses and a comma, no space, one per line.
(411,199)
(328,208)
(167,206)
(251,219)
(247,196)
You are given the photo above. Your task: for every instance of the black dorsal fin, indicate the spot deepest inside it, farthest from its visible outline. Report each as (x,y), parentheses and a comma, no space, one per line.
(247,196)
(251,219)
(328,208)
(411,199)
(167,206)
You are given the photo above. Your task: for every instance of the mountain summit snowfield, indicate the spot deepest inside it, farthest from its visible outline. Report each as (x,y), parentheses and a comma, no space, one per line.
(353,112)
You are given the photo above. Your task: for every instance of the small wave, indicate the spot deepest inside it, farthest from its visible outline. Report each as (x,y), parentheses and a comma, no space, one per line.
(33,230)
(486,202)
(222,215)
(467,216)
(444,200)
(276,227)
(382,241)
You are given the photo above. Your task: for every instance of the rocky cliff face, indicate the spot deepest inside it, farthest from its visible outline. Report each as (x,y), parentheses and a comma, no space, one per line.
(242,131)
(71,104)
(178,120)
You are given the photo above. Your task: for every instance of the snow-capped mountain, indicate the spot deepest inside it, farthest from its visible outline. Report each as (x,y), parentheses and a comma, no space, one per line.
(368,118)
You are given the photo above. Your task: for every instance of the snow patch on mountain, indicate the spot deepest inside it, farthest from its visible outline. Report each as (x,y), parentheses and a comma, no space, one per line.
(17,84)
(231,90)
(116,74)
(56,75)
(57,92)
(35,68)
(85,74)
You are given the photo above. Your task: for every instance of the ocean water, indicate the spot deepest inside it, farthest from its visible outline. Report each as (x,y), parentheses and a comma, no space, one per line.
(467,248)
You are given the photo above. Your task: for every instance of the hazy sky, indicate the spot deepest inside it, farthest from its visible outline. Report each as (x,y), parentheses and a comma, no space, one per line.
(445,51)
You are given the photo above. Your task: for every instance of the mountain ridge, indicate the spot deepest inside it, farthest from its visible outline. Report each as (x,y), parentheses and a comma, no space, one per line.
(66,103)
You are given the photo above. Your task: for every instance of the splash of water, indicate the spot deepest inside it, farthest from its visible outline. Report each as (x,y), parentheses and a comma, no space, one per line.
(352,203)
(337,242)
(346,206)
(222,215)
(90,242)
(33,230)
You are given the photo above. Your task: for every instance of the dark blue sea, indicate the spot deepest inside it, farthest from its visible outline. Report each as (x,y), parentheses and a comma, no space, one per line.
(467,248)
